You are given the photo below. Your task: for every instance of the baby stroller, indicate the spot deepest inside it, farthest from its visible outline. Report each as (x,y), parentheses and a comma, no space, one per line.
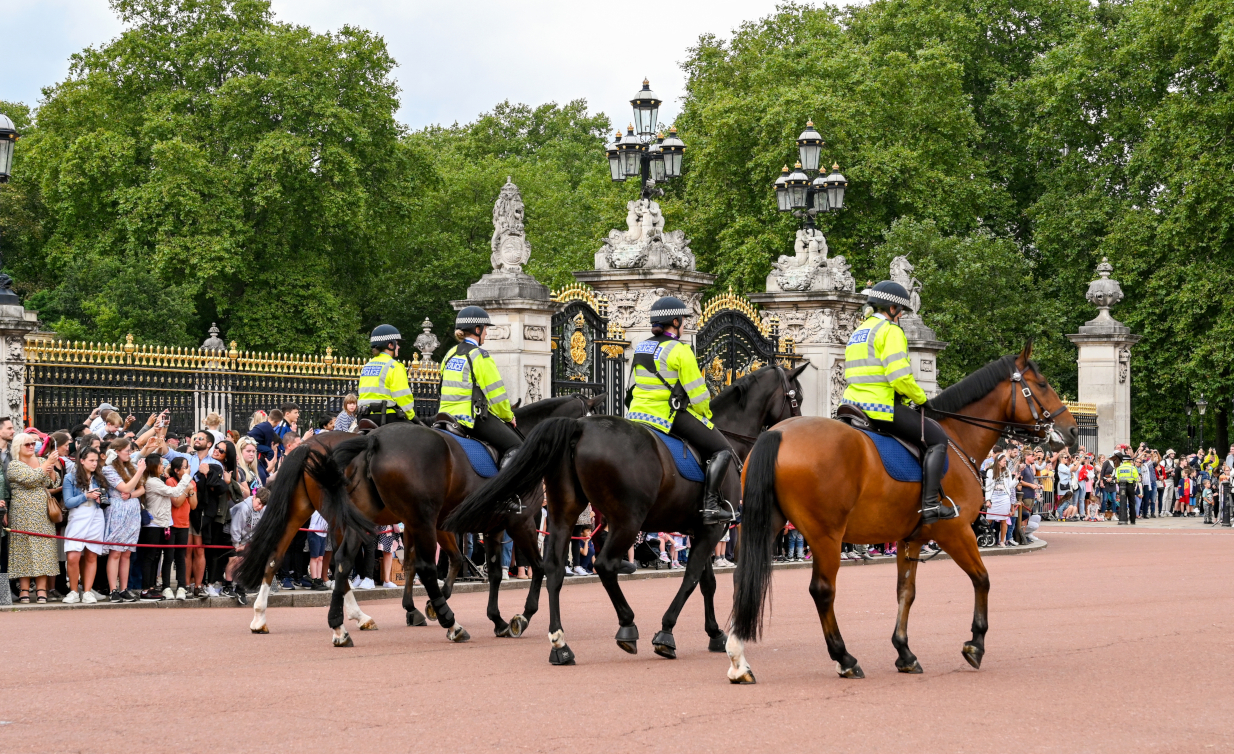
(987,533)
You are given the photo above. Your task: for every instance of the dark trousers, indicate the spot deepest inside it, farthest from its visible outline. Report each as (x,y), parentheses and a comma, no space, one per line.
(1127,491)
(907,426)
(706,441)
(295,562)
(176,555)
(152,535)
(495,432)
(214,533)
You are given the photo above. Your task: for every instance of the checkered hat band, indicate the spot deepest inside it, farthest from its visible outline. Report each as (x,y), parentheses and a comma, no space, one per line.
(889,298)
(384,338)
(670,312)
(473,321)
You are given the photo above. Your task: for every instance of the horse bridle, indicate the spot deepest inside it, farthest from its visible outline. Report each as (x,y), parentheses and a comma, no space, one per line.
(1042,427)
(789,396)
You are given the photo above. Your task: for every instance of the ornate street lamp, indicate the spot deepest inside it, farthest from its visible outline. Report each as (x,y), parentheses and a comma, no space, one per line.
(8,140)
(642,152)
(1201,404)
(797,193)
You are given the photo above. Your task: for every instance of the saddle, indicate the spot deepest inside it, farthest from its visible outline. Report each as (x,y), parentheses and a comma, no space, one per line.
(685,456)
(901,460)
(483,457)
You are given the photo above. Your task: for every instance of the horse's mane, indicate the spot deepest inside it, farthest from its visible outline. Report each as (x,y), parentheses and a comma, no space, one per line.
(976,386)
(737,392)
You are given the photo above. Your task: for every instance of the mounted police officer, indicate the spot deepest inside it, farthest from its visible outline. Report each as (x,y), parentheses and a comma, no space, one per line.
(471,387)
(877,370)
(385,395)
(670,395)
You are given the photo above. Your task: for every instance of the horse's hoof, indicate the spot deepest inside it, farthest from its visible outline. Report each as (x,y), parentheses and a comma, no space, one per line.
(742,678)
(973,654)
(503,632)
(518,624)
(416,618)
(853,672)
(718,643)
(664,645)
(262,630)
(627,638)
(429,611)
(561,656)
(458,634)
(344,642)
(369,625)
(914,668)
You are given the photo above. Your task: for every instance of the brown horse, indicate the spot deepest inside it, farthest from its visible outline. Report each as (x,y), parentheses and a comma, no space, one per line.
(827,478)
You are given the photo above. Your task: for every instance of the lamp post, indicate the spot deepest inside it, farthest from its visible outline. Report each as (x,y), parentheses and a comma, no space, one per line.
(797,193)
(8,140)
(642,152)
(1201,404)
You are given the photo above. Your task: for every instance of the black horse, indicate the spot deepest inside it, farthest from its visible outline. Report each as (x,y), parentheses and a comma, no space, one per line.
(629,476)
(402,472)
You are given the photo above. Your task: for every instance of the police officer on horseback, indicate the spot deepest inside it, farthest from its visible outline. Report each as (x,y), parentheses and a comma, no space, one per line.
(670,395)
(385,395)
(471,387)
(877,371)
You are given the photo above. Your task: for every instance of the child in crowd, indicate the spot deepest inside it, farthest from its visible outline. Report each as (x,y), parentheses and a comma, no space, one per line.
(317,549)
(347,420)
(1206,501)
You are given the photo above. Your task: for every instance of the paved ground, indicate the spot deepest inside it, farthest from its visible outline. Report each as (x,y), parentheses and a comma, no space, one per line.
(1110,640)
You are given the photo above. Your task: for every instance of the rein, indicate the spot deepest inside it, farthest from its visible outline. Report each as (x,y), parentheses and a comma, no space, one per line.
(789,397)
(1043,419)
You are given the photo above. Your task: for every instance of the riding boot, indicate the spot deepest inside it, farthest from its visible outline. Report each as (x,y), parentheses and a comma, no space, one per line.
(514,505)
(716,510)
(932,467)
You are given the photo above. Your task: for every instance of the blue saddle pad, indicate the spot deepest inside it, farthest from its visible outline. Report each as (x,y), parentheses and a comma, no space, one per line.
(481,461)
(899,463)
(687,464)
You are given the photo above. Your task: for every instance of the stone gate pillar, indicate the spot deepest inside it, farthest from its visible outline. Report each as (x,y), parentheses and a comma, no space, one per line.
(519,305)
(15,323)
(1105,363)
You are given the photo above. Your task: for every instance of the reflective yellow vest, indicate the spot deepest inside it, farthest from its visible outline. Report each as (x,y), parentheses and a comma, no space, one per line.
(457,388)
(676,364)
(384,379)
(876,367)
(1127,472)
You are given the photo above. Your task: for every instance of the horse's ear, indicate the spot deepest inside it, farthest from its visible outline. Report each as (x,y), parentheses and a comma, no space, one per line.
(596,400)
(516,404)
(1027,353)
(796,372)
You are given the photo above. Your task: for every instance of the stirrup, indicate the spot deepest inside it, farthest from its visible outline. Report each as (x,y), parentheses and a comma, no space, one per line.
(718,515)
(940,512)
(514,505)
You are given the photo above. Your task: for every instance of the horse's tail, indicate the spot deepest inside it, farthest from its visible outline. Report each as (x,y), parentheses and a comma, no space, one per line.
(274,519)
(484,509)
(752,580)
(330,475)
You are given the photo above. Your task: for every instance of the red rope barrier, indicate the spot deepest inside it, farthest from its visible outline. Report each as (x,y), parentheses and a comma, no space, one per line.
(113,544)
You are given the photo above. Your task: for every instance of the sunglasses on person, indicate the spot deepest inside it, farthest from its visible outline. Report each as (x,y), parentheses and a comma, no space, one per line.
(29,444)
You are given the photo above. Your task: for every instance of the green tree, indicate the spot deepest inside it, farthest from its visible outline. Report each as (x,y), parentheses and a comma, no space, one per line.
(212,163)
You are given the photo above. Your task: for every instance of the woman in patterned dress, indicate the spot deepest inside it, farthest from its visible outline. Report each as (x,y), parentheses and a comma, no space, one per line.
(123,515)
(31,557)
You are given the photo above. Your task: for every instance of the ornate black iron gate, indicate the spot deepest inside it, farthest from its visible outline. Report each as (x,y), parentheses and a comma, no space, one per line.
(733,341)
(588,351)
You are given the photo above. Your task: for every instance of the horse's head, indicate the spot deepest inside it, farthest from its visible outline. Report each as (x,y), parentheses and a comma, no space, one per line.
(762,398)
(1033,401)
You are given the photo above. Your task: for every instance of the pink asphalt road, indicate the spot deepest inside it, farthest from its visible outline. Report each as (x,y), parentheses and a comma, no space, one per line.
(1107,641)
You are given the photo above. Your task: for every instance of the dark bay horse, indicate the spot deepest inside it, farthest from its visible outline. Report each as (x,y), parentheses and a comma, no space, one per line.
(828,480)
(630,478)
(358,502)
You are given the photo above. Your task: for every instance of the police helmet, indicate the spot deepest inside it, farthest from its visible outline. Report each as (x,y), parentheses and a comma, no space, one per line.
(384,335)
(470,316)
(886,294)
(668,308)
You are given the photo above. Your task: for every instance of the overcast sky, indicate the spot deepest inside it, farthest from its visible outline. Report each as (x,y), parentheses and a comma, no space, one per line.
(456,59)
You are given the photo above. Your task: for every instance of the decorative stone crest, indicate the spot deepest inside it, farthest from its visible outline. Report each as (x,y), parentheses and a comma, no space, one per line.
(533,377)
(1124,361)
(426,342)
(511,250)
(810,269)
(825,325)
(644,243)
(632,309)
(837,386)
(533,332)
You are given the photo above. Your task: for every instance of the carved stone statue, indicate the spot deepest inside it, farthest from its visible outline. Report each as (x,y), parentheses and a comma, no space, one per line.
(511,250)
(644,243)
(426,342)
(902,273)
(214,342)
(841,274)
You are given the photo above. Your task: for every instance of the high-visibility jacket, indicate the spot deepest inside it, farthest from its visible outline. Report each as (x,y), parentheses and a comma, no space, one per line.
(1127,472)
(675,362)
(460,393)
(384,379)
(876,367)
